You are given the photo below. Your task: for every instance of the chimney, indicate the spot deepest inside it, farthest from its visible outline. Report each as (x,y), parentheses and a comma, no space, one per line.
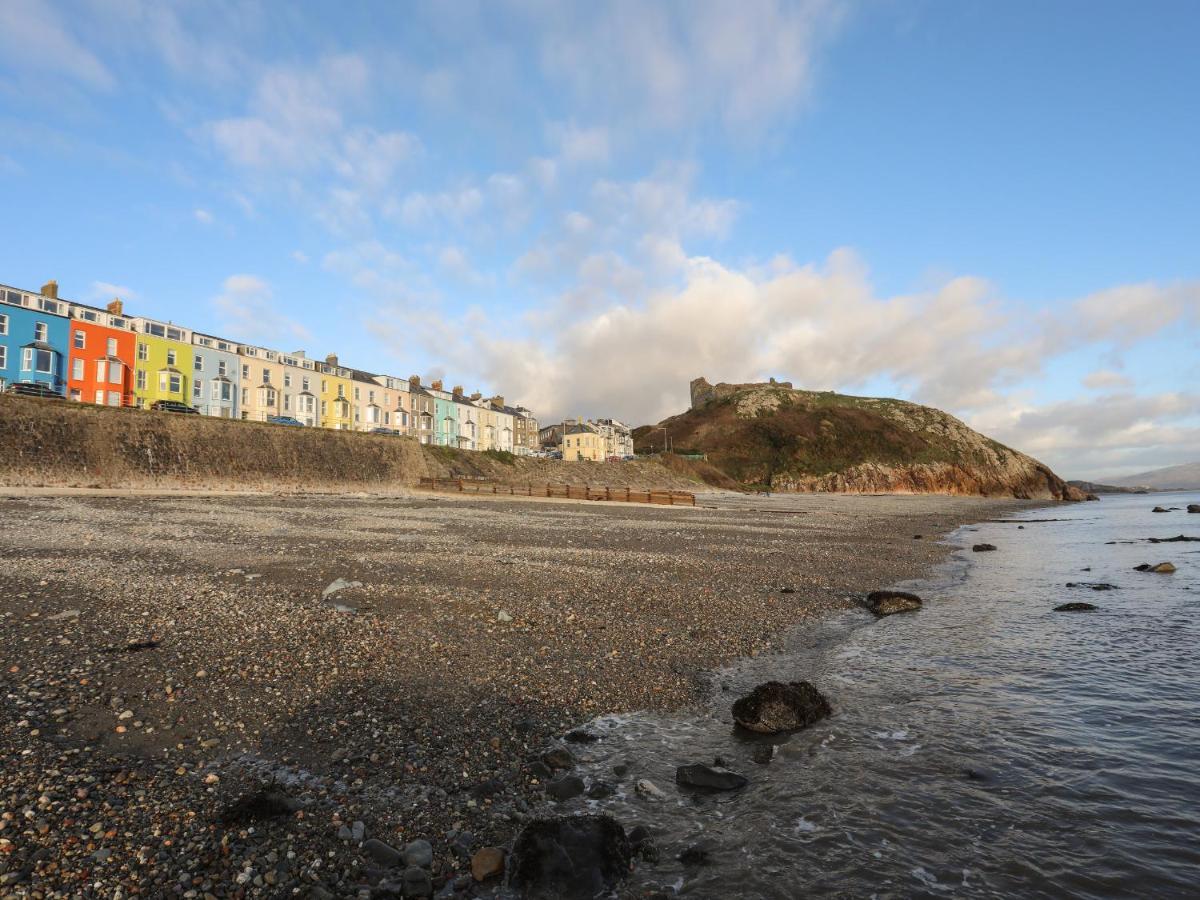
(50,289)
(116,307)
(497,400)
(414,380)
(458,392)
(476,396)
(331,360)
(436,385)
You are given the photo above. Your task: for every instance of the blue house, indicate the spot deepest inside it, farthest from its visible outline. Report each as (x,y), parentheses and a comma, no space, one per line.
(216,376)
(34,337)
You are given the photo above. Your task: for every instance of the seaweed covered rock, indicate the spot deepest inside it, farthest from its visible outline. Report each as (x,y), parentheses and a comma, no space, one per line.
(569,857)
(776,707)
(886,603)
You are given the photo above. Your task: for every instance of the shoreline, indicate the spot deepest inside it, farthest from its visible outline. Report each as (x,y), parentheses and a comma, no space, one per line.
(423,715)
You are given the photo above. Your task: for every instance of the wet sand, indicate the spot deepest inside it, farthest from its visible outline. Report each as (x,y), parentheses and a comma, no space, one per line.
(165,656)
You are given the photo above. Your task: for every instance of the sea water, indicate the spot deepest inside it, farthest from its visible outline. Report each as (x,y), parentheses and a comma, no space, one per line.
(983,746)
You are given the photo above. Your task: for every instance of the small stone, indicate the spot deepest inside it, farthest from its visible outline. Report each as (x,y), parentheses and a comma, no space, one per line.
(127,714)
(650,790)
(703,777)
(384,854)
(503,616)
(418,853)
(487,863)
(558,758)
(358,831)
(417,882)
(211,778)
(983,548)
(565,788)
(1075,607)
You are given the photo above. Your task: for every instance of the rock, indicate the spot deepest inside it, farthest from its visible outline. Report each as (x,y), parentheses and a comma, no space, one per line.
(580,736)
(65,614)
(1159,509)
(1074,607)
(358,831)
(787,590)
(569,857)
(417,882)
(503,616)
(694,855)
(1178,539)
(764,754)
(338,584)
(384,854)
(600,789)
(886,603)
(649,790)
(344,833)
(558,758)
(705,778)
(1194,507)
(487,863)
(489,788)
(1093,585)
(1162,568)
(983,548)
(776,707)
(264,803)
(565,788)
(418,853)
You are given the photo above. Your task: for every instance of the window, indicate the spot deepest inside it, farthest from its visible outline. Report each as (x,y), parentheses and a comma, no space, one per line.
(77,369)
(304,383)
(50,306)
(197,389)
(154,329)
(222,390)
(174,334)
(3,356)
(80,339)
(114,398)
(101,368)
(287,379)
(88,315)
(141,379)
(324,386)
(76,396)
(270,397)
(39,331)
(356,395)
(114,373)
(143,351)
(222,368)
(324,408)
(341,392)
(287,402)
(112,347)
(266,376)
(119,323)
(370,396)
(171,357)
(199,363)
(3,323)
(99,398)
(245,373)
(176,384)
(34,360)
(170,382)
(245,396)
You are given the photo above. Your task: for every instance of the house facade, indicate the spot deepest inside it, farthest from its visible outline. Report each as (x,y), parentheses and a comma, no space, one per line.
(582,442)
(525,431)
(336,406)
(103,346)
(162,363)
(445,415)
(33,337)
(216,376)
(618,437)
(422,409)
(396,401)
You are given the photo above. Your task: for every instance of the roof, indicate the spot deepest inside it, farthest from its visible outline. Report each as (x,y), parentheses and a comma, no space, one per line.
(581,429)
(40,345)
(360,375)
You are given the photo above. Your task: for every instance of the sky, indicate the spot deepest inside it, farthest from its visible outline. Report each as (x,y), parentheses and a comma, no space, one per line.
(993,208)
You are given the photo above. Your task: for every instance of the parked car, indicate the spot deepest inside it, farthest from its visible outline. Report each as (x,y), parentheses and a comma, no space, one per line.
(613,459)
(382,430)
(173,406)
(284,420)
(34,389)
(628,456)
(556,454)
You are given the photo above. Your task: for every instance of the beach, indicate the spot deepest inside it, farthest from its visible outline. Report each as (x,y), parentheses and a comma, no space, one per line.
(391,668)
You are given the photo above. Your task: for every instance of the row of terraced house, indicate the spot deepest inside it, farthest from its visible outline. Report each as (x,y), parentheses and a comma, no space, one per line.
(105,356)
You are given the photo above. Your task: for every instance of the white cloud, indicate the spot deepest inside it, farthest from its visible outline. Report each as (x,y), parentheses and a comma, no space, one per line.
(580,146)
(300,256)
(103,291)
(246,309)
(455,206)
(34,36)
(1104,379)
(203,216)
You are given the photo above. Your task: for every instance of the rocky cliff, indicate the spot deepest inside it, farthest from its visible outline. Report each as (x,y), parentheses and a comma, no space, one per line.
(773,436)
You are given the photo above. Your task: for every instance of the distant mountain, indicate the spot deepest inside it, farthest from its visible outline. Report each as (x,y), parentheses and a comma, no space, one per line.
(1092,487)
(775,437)
(1173,478)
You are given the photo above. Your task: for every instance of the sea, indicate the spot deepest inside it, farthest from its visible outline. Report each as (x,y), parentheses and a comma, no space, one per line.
(984,746)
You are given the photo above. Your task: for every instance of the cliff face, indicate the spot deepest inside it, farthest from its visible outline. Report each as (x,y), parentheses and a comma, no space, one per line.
(771,435)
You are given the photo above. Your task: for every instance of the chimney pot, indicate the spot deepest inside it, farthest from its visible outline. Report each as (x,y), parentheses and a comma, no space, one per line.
(414,380)
(116,307)
(436,385)
(331,359)
(50,289)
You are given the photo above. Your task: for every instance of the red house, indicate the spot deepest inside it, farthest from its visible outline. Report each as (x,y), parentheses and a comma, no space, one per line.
(101,347)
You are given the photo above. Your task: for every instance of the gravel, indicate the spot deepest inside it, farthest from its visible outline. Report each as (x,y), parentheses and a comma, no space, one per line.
(185,714)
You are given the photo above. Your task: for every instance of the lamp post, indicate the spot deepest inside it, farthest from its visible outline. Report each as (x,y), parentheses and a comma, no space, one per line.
(666,439)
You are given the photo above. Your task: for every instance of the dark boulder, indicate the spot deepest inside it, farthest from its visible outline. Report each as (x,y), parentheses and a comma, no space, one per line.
(1162,568)
(565,788)
(983,548)
(885,603)
(1159,509)
(558,758)
(1194,507)
(1074,607)
(694,855)
(704,778)
(776,707)
(1178,539)
(569,857)
(580,736)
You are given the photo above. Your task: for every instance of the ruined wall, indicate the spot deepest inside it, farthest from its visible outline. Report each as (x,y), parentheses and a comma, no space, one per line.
(47,443)
(702,392)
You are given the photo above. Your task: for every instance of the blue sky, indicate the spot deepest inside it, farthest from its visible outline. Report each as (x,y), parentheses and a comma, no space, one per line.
(993,208)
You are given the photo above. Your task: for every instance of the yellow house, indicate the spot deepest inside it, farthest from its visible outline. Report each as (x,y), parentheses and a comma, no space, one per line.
(162,363)
(337,409)
(582,442)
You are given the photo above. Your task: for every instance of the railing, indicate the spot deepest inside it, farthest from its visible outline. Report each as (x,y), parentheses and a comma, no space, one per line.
(562,491)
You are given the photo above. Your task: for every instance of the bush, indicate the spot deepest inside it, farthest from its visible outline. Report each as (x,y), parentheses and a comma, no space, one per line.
(501,456)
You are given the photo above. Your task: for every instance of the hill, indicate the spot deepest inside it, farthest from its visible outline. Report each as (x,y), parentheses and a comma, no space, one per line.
(1185,477)
(774,436)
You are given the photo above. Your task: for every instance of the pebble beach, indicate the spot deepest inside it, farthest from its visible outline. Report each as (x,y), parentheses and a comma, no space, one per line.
(355,696)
